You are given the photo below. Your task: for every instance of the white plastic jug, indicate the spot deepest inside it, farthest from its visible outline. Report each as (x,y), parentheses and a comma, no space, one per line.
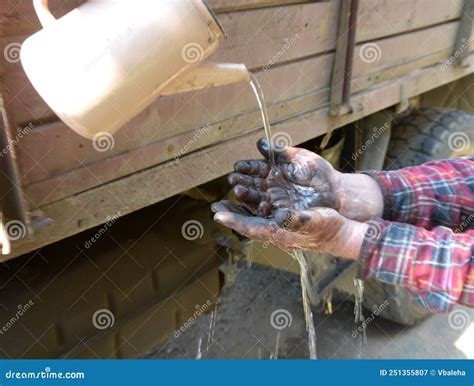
(107,60)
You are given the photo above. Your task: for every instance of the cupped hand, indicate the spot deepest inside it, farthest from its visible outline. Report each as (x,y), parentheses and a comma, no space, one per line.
(299,180)
(316,229)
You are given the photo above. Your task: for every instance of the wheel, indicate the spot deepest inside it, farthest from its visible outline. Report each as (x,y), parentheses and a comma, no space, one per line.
(424,135)
(115,291)
(428,134)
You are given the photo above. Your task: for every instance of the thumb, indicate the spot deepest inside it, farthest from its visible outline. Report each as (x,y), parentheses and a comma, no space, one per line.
(282,154)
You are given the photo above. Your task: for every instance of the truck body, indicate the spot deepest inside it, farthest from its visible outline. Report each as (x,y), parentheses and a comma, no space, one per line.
(402,54)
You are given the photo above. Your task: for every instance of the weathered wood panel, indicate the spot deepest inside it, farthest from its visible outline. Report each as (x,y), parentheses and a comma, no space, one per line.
(95,206)
(254,37)
(18,17)
(298,38)
(220,6)
(167,126)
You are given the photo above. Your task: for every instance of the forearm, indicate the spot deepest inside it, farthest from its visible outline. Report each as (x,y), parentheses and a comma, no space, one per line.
(435,193)
(436,266)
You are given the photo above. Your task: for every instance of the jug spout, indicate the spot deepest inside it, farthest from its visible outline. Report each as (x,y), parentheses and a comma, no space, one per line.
(208,74)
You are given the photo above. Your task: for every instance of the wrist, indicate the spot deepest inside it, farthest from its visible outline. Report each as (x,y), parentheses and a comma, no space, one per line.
(359,197)
(348,241)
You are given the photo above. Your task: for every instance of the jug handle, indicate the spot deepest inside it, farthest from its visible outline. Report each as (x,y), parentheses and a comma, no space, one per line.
(42,11)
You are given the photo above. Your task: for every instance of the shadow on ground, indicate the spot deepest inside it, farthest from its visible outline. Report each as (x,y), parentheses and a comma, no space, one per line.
(243,329)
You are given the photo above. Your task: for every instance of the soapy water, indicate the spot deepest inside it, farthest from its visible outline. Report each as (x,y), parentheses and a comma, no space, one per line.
(299,204)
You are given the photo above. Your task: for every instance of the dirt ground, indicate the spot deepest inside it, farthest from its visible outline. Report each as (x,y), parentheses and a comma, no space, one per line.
(243,328)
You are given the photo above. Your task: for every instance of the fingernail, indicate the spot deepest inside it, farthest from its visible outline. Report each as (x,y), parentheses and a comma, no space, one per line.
(218,218)
(240,190)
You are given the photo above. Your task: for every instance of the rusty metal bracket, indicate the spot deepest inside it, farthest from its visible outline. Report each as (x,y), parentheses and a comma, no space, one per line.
(464,35)
(12,204)
(339,99)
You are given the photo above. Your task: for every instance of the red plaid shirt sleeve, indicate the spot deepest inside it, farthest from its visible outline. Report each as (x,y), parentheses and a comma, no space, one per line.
(426,240)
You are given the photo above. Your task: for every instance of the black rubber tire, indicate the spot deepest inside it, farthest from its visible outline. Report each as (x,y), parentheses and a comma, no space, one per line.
(424,135)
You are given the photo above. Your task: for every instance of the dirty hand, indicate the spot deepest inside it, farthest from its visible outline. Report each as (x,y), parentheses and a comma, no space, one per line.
(303,180)
(317,230)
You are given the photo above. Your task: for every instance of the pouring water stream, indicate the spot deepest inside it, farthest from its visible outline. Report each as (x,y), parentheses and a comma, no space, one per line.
(298,256)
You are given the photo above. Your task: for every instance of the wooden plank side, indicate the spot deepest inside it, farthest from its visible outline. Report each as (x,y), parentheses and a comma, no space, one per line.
(93,207)
(377,19)
(114,167)
(171,121)
(83,178)
(18,17)
(255,37)
(221,6)
(246,44)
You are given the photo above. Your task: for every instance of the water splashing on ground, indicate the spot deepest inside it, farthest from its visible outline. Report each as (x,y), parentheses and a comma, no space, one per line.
(358,313)
(305,288)
(199,352)
(212,327)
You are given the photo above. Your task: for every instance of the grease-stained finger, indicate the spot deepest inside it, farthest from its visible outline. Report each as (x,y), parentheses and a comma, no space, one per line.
(248,195)
(252,227)
(240,179)
(286,154)
(264,209)
(257,168)
(225,205)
